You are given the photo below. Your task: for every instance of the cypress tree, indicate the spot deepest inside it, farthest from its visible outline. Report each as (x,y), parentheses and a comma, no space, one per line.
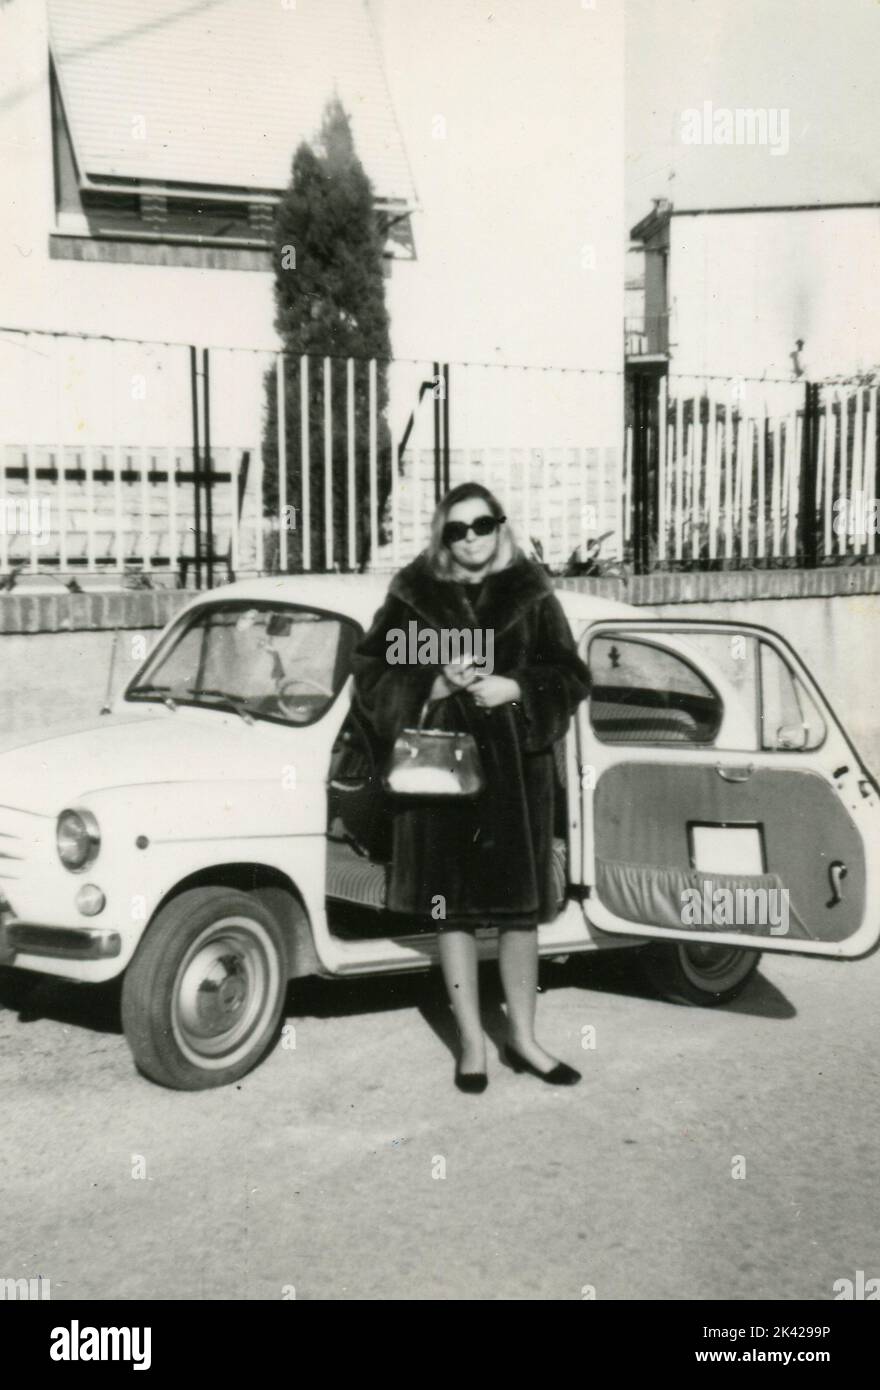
(330,301)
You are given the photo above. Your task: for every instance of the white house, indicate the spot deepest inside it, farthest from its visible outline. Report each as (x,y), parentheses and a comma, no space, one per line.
(144,144)
(145,140)
(733,291)
(159,134)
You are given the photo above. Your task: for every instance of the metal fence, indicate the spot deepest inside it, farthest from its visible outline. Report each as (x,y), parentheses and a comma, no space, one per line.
(547,441)
(723,472)
(107,461)
(191,464)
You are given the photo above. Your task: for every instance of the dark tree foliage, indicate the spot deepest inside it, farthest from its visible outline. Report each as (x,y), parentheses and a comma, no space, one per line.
(330,302)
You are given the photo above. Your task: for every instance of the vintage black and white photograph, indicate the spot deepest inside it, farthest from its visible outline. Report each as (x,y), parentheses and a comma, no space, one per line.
(439,715)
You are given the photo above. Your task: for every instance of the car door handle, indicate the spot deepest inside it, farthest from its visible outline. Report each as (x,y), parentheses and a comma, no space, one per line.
(837,872)
(735,774)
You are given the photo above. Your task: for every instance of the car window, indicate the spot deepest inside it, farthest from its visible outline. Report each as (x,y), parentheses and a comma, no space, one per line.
(270,661)
(790,720)
(774,710)
(643,693)
(733,655)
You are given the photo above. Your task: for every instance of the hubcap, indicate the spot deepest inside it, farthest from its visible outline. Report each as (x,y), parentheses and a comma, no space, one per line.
(224,990)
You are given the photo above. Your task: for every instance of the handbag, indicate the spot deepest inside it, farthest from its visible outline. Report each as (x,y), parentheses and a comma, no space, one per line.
(434,763)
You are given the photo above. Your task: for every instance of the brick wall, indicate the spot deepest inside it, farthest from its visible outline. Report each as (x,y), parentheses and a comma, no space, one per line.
(732,586)
(153,608)
(143,608)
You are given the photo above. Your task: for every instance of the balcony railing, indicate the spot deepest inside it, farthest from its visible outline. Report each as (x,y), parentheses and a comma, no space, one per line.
(646,335)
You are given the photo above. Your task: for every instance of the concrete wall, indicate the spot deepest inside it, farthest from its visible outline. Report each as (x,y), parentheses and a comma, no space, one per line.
(51,679)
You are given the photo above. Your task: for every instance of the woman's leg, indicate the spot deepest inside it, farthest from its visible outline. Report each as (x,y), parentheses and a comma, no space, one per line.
(458,961)
(518,967)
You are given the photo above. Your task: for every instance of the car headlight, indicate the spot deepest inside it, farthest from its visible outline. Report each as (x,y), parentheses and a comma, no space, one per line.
(78,839)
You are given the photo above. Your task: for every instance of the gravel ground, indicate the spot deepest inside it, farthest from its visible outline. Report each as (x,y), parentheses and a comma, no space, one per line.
(350,1167)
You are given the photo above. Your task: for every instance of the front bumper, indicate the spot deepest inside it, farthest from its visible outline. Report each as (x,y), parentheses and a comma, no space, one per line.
(61,943)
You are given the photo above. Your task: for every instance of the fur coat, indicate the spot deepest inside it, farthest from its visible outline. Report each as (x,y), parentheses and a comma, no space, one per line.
(488,860)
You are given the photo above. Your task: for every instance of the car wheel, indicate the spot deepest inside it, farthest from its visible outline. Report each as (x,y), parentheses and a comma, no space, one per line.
(695,972)
(202,998)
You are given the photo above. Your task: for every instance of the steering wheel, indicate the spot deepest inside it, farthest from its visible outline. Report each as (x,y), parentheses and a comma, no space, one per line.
(292,705)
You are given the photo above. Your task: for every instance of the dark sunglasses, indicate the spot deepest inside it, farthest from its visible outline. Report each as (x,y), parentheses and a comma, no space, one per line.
(455,531)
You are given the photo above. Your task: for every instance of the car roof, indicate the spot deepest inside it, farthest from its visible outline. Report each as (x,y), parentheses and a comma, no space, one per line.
(359,596)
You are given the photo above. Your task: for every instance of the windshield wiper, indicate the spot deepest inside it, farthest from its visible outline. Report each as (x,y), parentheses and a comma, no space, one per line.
(234,702)
(150,689)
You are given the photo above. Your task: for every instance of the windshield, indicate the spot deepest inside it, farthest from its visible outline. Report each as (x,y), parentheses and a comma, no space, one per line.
(260,661)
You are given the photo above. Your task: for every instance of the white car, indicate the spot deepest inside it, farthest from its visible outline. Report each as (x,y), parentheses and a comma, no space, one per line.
(222,829)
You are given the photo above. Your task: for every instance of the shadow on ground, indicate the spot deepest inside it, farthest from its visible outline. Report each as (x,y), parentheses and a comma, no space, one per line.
(34,996)
(97,1007)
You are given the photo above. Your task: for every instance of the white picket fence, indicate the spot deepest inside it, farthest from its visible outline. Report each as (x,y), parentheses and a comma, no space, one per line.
(728,470)
(558,499)
(847,472)
(117,508)
(96,447)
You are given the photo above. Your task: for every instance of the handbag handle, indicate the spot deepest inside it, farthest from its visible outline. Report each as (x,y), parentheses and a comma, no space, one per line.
(423,713)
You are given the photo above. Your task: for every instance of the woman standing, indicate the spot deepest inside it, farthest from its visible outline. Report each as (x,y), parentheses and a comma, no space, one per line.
(489,861)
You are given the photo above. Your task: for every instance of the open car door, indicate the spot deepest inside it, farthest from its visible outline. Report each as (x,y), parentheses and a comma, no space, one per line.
(722,800)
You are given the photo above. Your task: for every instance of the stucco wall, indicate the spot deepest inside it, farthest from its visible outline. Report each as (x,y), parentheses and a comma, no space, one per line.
(744,286)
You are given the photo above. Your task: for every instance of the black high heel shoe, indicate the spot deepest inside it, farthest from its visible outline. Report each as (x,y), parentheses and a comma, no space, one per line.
(560,1075)
(474,1082)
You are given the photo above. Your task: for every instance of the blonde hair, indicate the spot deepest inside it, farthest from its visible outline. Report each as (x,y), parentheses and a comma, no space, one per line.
(439,556)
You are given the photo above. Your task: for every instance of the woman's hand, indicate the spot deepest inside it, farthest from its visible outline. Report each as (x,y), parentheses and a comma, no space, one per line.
(440,689)
(455,676)
(490,691)
(460,674)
